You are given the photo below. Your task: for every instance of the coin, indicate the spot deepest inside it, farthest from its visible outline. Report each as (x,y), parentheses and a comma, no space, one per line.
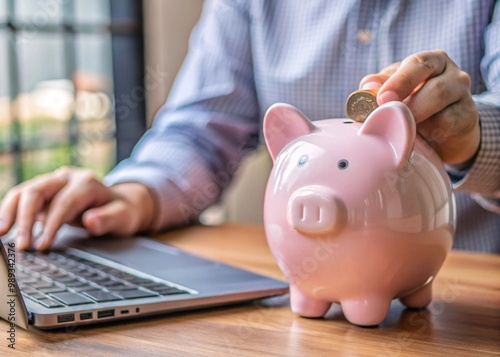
(361,103)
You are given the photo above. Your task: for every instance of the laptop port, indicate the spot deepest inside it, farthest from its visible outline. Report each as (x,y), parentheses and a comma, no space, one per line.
(124,312)
(105,313)
(85,316)
(65,318)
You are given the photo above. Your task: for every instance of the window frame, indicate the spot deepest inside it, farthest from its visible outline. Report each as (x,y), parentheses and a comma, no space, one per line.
(125,28)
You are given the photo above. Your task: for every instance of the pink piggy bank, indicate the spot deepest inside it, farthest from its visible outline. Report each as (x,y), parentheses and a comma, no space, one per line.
(356,214)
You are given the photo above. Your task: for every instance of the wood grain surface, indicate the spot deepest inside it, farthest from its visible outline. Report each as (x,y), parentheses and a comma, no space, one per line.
(462,320)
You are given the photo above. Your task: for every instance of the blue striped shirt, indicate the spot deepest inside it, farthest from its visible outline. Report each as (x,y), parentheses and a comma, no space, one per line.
(246,55)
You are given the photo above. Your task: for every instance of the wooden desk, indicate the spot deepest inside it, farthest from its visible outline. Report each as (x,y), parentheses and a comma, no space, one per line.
(463,319)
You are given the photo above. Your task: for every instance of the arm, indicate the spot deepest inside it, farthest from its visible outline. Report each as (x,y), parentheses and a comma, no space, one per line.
(209,122)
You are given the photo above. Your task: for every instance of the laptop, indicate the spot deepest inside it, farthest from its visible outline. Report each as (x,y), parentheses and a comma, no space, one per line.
(87,281)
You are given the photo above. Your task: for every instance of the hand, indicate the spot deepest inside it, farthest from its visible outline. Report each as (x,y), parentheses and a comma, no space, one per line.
(74,196)
(438,94)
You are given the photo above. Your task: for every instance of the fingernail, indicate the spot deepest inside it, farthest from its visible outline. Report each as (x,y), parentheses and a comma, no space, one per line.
(388,96)
(371,85)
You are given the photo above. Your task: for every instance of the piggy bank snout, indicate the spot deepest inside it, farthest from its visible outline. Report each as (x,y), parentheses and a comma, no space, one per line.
(315,210)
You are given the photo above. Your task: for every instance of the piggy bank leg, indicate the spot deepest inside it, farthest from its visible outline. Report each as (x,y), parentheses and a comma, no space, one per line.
(418,299)
(305,306)
(367,311)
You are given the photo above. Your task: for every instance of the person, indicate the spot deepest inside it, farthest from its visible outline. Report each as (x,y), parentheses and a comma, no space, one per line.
(441,58)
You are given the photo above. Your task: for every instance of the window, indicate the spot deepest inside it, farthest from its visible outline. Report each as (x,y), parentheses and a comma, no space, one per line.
(59,88)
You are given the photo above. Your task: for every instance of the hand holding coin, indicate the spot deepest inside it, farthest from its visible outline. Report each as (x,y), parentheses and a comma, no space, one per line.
(361,103)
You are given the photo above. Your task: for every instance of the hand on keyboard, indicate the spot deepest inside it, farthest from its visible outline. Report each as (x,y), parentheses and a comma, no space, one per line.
(74,196)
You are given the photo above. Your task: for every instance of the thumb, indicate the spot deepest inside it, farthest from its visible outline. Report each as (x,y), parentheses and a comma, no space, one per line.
(115,217)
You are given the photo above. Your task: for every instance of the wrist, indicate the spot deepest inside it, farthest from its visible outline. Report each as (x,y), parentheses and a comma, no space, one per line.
(141,202)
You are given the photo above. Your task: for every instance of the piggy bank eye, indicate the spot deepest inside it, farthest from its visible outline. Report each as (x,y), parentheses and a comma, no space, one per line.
(343,164)
(302,160)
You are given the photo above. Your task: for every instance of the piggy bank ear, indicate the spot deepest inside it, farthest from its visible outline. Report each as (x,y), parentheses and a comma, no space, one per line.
(282,124)
(394,122)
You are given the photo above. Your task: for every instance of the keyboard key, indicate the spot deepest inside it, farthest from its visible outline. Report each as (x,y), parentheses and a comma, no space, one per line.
(134,294)
(112,271)
(122,287)
(83,288)
(110,283)
(40,284)
(98,279)
(75,283)
(20,275)
(28,290)
(151,285)
(88,274)
(135,280)
(35,274)
(37,295)
(65,279)
(44,269)
(101,296)
(56,275)
(70,298)
(50,303)
(52,289)
(170,291)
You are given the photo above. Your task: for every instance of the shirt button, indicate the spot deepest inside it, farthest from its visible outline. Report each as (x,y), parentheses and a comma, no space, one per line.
(364,36)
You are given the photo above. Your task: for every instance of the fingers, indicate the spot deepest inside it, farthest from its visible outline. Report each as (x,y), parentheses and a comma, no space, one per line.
(445,90)
(374,81)
(81,192)
(438,94)
(69,195)
(23,204)
(413,71)
(57,198)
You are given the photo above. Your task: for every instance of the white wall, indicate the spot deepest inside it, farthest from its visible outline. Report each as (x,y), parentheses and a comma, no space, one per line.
(168,24)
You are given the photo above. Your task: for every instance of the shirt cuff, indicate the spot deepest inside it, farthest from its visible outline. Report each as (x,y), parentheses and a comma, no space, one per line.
(458,172)
(481,175)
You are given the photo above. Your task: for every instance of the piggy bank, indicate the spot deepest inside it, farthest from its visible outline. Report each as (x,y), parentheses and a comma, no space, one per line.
(356,214)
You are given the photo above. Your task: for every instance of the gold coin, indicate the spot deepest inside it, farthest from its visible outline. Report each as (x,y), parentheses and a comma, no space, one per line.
(361,103)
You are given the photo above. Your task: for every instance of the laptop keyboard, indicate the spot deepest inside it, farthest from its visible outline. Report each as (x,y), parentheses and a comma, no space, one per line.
(58,279)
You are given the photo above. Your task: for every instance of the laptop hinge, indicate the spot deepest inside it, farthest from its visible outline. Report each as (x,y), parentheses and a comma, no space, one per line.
(12,306)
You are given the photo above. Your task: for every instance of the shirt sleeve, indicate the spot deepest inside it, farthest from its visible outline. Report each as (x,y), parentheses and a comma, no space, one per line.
(483,176)
(210,121)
